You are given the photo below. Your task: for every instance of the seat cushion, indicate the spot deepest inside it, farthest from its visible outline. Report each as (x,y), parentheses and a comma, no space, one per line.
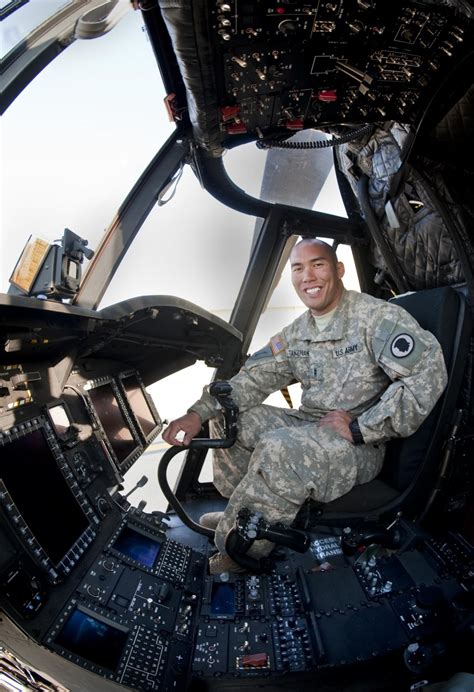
(362,498)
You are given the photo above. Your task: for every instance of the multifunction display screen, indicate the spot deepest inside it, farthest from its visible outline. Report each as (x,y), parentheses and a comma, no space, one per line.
(113,421)
(94,638)
(41,494)
(139,405)
(137,546)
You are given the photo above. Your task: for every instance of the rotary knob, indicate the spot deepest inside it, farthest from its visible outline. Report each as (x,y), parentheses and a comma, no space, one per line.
(93,591)
(287,27)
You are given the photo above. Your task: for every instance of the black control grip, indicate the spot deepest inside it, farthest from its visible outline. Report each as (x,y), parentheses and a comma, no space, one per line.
(236,546)
(388,538)
(250,527)
(221,391)
(286,536)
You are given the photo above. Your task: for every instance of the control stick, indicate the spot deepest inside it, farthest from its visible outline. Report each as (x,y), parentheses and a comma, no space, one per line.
(250,527)
(354,539)
(222,392)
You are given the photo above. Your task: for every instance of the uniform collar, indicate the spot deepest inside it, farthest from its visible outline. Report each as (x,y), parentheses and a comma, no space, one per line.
(307,330)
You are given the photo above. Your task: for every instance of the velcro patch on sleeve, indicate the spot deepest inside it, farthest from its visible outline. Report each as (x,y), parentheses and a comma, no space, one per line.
(278,345)
(265,352)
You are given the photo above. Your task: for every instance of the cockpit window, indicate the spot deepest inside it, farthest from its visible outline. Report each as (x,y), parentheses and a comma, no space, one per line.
(290,176)
(21,17)
(193,247)
(78,137)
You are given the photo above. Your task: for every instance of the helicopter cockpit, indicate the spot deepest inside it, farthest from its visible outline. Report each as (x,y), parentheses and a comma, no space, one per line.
(372,591)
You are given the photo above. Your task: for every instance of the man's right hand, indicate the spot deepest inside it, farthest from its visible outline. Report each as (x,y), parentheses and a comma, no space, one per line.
(190,424)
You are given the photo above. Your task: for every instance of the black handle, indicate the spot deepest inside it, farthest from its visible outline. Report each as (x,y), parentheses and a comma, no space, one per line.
(221,391)
(171,497)
(250,527)
(285,535)
(388,538)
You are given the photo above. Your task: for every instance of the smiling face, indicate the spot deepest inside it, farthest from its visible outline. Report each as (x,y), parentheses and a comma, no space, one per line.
(316,275)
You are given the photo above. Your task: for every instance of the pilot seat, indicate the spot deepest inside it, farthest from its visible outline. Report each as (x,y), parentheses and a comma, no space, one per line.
(412,465)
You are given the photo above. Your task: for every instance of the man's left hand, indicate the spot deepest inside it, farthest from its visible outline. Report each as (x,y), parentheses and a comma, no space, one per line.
(338,420)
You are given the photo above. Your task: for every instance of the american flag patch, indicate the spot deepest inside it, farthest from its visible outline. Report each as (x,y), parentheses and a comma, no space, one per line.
(277,345)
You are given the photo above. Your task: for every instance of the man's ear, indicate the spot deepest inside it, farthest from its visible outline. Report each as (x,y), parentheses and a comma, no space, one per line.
(341,270)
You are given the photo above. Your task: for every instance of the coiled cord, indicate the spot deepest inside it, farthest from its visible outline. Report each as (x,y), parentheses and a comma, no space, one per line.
(278,141)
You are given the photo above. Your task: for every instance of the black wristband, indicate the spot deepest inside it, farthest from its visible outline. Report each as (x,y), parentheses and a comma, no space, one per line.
(357,438)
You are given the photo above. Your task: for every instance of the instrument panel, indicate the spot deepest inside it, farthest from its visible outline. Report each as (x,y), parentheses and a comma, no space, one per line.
(279,67)
(130,621)
(119,593)
(126,595)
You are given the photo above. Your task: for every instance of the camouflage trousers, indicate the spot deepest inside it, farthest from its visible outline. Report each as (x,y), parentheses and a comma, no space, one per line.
(280,459)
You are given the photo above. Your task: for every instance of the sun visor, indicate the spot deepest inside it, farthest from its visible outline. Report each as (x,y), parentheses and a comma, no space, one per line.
(162,334)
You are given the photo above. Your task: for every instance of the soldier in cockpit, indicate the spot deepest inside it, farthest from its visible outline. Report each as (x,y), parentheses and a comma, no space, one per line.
(368,372)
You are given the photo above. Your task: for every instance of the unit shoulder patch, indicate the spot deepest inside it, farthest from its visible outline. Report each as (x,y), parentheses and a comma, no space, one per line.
(403,349)
(402,345)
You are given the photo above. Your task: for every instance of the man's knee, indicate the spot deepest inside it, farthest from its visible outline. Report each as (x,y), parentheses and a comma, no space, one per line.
(293,466)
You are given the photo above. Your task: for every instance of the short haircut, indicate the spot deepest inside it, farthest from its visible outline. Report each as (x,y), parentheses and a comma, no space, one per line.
(316,241)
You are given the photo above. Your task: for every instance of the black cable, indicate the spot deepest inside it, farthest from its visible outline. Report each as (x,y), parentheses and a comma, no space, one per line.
(278,141)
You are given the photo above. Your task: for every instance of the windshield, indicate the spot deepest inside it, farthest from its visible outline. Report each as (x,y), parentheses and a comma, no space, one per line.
(194,246)
(20,18)
(78,137)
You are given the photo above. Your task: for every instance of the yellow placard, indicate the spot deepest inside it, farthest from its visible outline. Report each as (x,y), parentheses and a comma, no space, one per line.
(29,264)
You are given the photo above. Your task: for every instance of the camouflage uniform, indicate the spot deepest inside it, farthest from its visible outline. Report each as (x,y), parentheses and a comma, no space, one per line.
(372,360)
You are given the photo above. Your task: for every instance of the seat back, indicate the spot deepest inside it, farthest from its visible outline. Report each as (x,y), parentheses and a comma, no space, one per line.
(441,311)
